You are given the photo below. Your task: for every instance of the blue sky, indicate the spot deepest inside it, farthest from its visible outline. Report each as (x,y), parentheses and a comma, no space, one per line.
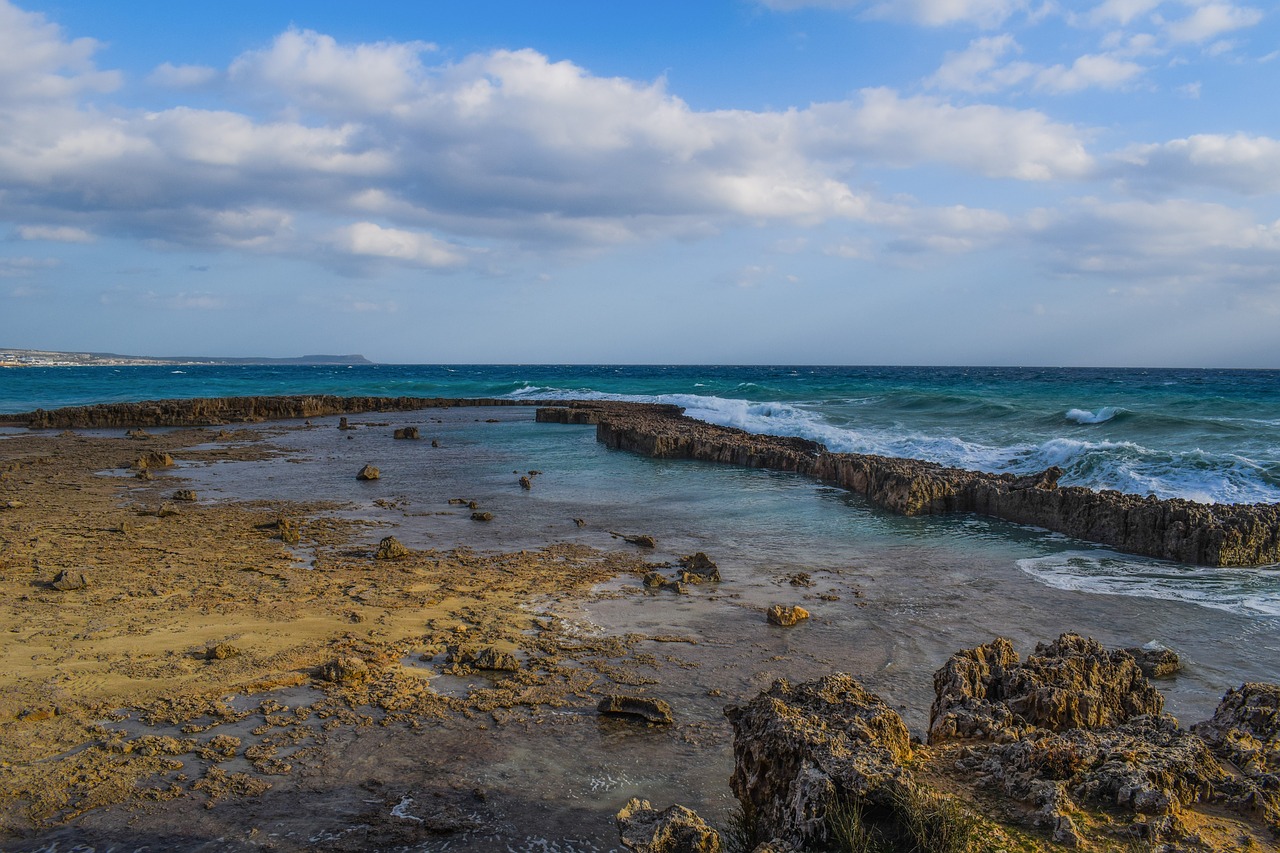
(755,181)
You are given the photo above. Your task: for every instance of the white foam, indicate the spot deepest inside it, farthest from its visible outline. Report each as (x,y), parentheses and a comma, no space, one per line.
(1248,592)
(1125,466)
(1082,416)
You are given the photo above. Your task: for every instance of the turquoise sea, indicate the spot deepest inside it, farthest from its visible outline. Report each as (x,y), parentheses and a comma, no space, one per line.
(1207,435)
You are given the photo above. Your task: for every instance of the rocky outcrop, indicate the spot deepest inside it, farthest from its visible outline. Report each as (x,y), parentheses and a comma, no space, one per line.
(1072,683)
(1072,740)
(1245,730)
(1181,530)
(206,411)
(644,829)
(802,752)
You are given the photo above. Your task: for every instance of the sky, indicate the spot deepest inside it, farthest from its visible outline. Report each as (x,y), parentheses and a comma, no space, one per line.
(993,182)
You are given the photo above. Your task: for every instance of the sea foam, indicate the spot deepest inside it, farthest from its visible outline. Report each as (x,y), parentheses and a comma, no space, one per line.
(1247,592)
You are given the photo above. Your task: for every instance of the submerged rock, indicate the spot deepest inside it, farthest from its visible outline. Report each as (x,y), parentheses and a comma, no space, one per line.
(698,567)
(482,516)
(644,829)
(1156,662)
(638,708)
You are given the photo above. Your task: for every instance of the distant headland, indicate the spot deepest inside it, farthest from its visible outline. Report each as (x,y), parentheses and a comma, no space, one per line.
(49,358)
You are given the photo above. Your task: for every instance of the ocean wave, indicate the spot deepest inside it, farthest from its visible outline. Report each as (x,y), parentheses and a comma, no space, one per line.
(1248,592)
(1125,466)
(1083,416)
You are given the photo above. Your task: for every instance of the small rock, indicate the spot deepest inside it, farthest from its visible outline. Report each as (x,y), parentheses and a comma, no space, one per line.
(643,540)
(144,474)
(435,443)
(290,534)
(699,568)
(345,670)
(1156,662)
(408,432)
(187,495)
(11,504)
(654,580)
(368,472)
(638,708)
(526,483)
(342,424)
(166,511)
(221,651)
(482,516)
(137,434)
(390,549)
(786,615)
(68,580)
(800,579)
(581,522)
(644,829)
(457,501)
(154,459)
(491,658)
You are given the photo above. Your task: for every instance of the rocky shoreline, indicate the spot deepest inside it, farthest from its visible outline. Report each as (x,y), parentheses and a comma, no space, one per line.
(1171,529)
(1072,742)
(1222,535)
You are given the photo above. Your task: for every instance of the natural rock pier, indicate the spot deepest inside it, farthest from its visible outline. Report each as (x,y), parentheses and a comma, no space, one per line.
(1171,529)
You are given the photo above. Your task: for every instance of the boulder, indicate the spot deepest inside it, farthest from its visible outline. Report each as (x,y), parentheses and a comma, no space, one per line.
(368,472)
(68,579)
(786,615)
(644,829)
(186,495)
(799,752)
(389,548)
(526,483)
(221,651)
(410,432)
(636,708)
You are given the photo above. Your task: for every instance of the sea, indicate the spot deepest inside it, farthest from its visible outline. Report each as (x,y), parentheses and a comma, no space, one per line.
(891,598)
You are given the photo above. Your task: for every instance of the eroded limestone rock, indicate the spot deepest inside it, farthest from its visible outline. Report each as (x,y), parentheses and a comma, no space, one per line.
(644,829)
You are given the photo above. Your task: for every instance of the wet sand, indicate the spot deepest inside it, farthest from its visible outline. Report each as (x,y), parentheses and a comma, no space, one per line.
(119,726)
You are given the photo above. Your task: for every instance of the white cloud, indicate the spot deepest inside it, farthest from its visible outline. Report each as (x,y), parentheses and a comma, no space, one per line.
(55,233)
(1121,11)
(1169,240)
(995,142)
(38,64)
(978,69)
(316,69)
(196,302)
(1210,20)
(1240,163)
(371,240)
(23,266)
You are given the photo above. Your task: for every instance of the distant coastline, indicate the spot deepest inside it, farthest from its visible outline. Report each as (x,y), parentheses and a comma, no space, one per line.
(53,358)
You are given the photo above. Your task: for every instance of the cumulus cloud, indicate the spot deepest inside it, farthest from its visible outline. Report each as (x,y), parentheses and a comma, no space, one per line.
(1240,163)
(38,63)
(380,156)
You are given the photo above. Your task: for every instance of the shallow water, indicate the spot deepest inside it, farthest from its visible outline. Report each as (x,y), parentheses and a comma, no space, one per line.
(901,596)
